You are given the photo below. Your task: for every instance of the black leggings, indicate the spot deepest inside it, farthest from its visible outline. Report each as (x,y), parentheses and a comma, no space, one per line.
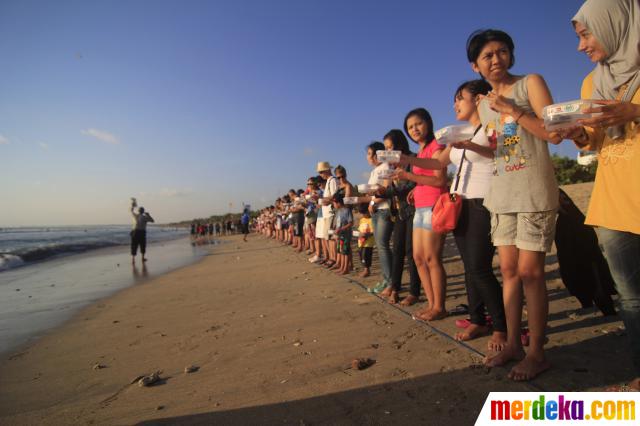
(403,247)
(366,254)
(138,238)
(472,235)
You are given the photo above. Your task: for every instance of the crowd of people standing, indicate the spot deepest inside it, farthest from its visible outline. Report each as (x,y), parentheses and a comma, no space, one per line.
(505,177)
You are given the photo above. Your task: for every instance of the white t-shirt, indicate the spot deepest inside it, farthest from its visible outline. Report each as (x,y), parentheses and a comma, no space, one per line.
(329,190)
(477,171)
(374,180)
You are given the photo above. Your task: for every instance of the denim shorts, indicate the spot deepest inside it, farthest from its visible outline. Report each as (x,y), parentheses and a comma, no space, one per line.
(422,218)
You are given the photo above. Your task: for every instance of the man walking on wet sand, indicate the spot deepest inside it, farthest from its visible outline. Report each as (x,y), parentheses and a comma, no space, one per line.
(139,231)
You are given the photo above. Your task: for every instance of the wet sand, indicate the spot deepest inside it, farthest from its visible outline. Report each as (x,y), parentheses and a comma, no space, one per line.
(38,297)
(273,337)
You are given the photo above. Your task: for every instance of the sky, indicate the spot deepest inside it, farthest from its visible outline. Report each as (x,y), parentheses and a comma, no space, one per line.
(196,107)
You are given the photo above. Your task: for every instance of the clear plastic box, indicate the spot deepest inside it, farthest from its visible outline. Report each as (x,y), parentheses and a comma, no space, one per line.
(366,188)
(455,133)
(351,200)
(566,114)
(386,174)
(388,156)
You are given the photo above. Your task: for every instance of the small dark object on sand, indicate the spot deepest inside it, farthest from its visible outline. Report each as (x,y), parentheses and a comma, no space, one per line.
(362,363)
(149,380)
(191,369)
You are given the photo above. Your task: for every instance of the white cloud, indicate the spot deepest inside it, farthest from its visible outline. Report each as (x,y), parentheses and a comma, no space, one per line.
(365,175)
(174,192)
(3,140)
(102,136)
(43,145)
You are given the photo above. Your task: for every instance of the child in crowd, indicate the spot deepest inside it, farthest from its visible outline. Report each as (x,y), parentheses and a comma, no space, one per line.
(366,242)
(380,210)
(343,232)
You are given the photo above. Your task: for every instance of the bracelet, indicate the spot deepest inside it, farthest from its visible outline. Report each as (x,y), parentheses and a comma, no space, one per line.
(584,137)
(520,116)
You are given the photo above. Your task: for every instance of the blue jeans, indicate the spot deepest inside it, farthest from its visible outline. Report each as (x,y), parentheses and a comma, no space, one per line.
(382,228)
(622,251)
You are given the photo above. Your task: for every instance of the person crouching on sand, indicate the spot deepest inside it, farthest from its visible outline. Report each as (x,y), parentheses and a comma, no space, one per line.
(139,231)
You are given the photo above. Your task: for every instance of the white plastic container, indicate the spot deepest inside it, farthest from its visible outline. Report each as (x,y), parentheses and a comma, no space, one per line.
(388,156)
(366,188)
(566,114)
(456,133)
(351,200)
(355,233)
(386,174)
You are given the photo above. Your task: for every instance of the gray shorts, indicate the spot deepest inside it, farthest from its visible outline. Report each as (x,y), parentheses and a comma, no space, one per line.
(533,231)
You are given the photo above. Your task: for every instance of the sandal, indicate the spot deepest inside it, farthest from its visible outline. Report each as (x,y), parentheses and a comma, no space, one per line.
(460,309)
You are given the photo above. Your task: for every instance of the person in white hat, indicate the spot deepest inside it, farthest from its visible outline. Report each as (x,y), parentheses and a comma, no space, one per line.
(324,224)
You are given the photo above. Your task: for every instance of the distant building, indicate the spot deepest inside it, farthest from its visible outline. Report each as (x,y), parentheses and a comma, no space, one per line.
(586,158)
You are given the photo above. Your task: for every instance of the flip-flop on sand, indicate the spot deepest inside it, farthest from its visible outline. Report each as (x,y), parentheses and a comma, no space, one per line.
(460,309)
(464,323)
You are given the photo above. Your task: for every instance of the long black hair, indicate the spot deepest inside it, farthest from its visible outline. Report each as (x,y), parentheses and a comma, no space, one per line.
(475,87)
(398,140)
(426,117)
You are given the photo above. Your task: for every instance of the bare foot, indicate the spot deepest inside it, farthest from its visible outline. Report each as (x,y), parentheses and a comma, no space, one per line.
(435,315)
(529,368)
(409,300)
(386,292)
(343,272)
(393,297)
(420,312)
(430,315)
(471,332)
(498,341)
(364,273)
(509,353)
(632,386)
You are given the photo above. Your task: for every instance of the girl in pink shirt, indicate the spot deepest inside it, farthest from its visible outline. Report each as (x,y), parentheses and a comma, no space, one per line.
(427,245)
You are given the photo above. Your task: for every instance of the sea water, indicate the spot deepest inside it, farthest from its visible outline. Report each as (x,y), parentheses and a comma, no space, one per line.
(24,246)
(50,274)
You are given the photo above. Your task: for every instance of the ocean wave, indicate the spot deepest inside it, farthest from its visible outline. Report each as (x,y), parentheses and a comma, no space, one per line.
(8,261)
(37,244)
(34,254)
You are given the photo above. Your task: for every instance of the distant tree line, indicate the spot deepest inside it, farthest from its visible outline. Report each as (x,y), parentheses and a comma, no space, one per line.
(233,217)
(568,170)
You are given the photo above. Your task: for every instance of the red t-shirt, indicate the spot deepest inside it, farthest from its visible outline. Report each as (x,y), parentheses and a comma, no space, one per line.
(426,195)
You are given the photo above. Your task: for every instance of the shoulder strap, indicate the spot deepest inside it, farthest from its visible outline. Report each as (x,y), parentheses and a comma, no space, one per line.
(464,151)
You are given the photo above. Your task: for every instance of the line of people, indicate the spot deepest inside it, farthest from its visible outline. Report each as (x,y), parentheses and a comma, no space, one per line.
(507,181)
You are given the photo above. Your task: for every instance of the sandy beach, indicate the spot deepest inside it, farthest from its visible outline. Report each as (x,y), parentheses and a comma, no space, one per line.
(273,338)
